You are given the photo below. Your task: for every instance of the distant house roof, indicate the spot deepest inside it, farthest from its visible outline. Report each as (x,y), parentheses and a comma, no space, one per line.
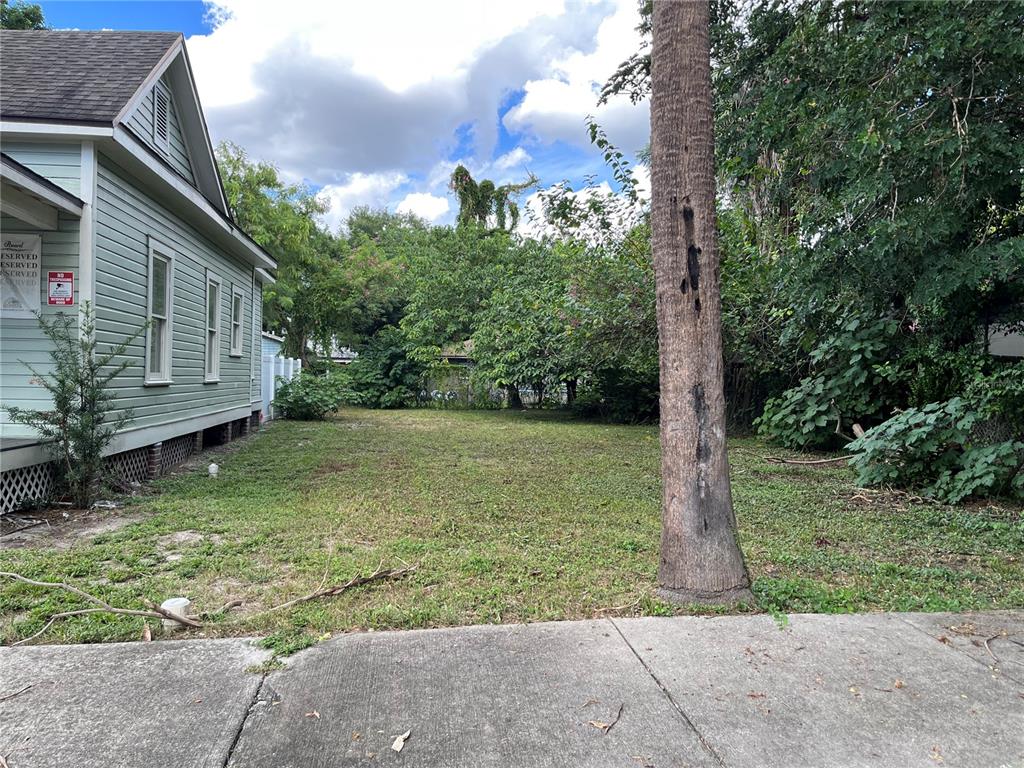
(75,77)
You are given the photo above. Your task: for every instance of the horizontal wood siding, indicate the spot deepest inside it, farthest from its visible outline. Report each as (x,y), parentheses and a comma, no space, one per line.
(257,337)
(22,339)
(60,163)
(126,217)
(141,123)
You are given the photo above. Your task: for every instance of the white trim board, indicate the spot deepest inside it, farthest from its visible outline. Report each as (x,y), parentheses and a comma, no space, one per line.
(134,438)
(18,129)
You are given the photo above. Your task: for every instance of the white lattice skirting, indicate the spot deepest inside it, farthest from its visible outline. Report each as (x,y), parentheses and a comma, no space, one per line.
(176,451)
(35,483)
(25,484)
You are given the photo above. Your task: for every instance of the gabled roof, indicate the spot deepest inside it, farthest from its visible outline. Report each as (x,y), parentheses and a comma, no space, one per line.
(75,77)
(87,84)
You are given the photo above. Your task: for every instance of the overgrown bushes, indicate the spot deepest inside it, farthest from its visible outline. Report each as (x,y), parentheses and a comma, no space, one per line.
(308,397)
(953,450)
(383,376)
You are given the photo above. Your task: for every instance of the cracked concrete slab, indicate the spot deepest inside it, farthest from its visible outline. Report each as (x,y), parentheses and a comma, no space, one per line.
(476,696)
(866,690)
(159,705)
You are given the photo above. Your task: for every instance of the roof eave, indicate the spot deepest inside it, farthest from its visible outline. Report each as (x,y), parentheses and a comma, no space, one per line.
(144,162)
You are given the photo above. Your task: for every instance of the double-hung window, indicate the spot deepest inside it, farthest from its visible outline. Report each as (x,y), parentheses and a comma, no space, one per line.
(212,328)
(160,314)
(236,321)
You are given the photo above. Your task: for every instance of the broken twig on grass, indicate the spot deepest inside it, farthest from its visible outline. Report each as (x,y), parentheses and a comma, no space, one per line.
(805,462)
(378,575)
(217,612)
(153,612)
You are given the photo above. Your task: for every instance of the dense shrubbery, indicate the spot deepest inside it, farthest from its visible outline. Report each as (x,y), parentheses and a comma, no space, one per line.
(871,228)
(962,447)
(383,376)
(309,397)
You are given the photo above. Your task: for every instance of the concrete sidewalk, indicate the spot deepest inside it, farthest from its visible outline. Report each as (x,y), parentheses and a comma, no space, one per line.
(865,690)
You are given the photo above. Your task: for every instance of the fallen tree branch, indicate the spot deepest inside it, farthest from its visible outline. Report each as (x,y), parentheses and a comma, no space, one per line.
(605,727)
(164,613)
(782,460)
(378,575)
(223,609)
(153,612)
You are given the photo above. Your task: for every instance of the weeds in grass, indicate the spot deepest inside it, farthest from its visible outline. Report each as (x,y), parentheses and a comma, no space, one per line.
(511,517)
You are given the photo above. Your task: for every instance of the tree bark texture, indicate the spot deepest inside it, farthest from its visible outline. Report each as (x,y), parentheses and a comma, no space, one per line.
(700,558)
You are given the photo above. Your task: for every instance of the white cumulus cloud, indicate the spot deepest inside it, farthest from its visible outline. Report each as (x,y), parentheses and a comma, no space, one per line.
(371,101)
(372,189)
(425,205)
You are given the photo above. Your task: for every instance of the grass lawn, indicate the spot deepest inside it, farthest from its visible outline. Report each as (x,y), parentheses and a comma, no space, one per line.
(509,517)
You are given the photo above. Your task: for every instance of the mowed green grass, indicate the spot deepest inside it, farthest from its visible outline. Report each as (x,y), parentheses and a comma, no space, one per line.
(508,517)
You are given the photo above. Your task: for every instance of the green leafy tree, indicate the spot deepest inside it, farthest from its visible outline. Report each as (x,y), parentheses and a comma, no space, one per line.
(522,333)
(329,288)
(83,422)
(21,15)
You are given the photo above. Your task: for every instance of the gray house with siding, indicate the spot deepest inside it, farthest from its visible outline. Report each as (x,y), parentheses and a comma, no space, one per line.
(109,193)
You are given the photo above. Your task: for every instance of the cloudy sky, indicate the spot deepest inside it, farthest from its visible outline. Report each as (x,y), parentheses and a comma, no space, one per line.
(374,103)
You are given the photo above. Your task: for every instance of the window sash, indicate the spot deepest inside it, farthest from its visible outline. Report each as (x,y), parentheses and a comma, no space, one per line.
(236,322)
(212,329)
(158,342)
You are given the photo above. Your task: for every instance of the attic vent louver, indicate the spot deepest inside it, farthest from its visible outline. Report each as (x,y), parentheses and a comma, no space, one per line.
(161,118)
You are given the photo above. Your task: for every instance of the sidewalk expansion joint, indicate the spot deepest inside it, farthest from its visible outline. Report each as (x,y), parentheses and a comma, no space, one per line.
(253,702)
(700,736)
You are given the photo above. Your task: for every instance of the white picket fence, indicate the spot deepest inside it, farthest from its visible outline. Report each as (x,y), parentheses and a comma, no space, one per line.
(273,368)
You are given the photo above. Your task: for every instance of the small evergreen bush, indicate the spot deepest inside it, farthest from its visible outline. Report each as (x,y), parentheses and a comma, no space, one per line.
(82,423)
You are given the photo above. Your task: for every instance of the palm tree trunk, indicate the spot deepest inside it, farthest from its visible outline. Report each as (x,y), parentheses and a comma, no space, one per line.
(700,558)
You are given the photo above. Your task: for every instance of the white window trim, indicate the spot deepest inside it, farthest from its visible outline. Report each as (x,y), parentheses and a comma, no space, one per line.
(237,293)
(253,336)
(211,377)
(158,250)
(162,143)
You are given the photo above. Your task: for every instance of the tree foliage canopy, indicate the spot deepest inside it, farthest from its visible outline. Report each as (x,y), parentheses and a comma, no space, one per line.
(21,15)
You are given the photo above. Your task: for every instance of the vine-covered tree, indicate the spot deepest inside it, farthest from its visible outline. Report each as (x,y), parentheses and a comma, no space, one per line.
(483,202)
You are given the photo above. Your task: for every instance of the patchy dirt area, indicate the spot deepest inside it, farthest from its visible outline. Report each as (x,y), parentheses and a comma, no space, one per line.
(172,544)
(58,528)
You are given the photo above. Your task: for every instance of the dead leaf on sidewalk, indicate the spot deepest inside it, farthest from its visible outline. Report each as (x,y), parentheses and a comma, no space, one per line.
(605,727)
(400,741)
(314,713)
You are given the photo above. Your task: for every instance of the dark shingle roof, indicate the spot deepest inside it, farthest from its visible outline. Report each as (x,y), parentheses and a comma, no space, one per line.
(81,77)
